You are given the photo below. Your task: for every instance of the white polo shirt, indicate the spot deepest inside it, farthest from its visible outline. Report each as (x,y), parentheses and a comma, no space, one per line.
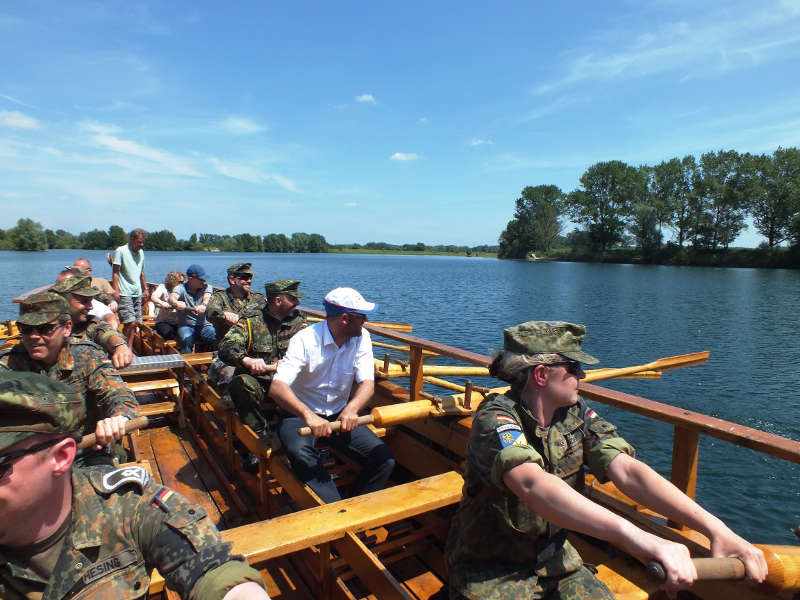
(320,372)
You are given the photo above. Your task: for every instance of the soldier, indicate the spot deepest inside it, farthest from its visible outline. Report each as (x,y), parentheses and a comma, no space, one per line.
(100,283)
(226,307)
(98,533)
(77,290)
(46,348)
(525,458)
(314,385)
(260,341)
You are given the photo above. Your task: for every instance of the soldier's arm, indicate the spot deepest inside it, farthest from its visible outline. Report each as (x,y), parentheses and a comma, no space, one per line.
(215,307)
(113,396)
(115,276)
(179,539)
(233,347)
(647,487)
(105,336)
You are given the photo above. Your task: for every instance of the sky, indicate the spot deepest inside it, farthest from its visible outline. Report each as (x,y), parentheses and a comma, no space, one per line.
(401,122)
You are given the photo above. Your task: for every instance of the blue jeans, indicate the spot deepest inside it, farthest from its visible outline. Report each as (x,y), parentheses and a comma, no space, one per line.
(202,330)
(374,455)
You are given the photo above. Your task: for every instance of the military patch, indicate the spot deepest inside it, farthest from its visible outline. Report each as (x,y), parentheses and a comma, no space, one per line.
(502,417)
(590,414)
(509,434)
(118,478)
(108,565)
(161,497)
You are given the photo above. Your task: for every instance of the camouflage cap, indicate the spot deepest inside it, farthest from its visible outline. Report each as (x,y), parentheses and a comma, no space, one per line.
(240,269)
(81,285)
(31,403)
(284,286)
(548,337)
(42,308)
(76,270)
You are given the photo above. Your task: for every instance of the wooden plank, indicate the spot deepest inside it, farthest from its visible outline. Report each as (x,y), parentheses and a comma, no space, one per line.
(153,385)
(153,409)
(415,373)
(370,570)
(685,449)
(418,578)
(178,473)
(146,450)
(774,445)
(420,459)
(284,582)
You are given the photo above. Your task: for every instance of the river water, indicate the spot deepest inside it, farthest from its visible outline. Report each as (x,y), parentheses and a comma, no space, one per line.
(634,314)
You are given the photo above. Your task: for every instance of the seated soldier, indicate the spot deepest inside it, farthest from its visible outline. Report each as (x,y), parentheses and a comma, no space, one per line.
(104,305)
(226,308)
(313,387)
(67,532)
(45,327)
(258,342)
(524,476)
(78,292)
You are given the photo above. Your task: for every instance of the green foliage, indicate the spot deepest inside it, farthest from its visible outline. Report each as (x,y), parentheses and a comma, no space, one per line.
(162,240)
(28,236)
(96,239)
(117,237)
(277,242)
(720,203)
(300,242)
(536,224)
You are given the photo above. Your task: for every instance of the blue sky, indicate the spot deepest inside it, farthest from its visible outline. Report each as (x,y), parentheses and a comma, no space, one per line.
(370,121)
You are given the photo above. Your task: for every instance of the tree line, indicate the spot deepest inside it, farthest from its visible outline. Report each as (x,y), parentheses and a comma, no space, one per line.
(31,236)
(703,203)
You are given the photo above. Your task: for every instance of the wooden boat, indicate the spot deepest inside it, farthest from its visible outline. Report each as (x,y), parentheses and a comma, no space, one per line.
(389,544)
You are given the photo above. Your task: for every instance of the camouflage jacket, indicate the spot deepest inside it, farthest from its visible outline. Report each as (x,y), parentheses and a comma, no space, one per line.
(123,525)
(259,336)
(498,545)
(82,364)
(223,301)
(97,331)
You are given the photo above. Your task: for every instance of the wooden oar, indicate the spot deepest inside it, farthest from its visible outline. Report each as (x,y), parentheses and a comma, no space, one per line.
(783,568)
(394,326)
(394,414)
(662,364)
(90,440)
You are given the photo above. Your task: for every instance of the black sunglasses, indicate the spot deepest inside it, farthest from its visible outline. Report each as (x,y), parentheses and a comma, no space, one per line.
(5,459)
(244,277)
(45,329)
(573,367)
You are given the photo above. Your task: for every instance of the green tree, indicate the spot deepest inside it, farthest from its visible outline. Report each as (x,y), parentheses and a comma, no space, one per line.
(162,240)
(604,202)
(721,193)
(96,239)
(276,242)
(28,235)
(317,243)
(536,224)
(299,242)
(513,241)
(248,243)
(772,188)
(671,185)
(117,237)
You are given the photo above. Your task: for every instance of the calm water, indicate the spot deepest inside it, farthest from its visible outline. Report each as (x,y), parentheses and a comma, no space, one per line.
(634,314)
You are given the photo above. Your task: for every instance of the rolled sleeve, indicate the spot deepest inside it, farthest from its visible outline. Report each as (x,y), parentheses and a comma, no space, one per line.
(219,581)
(511,457)
(292,363)
(604,445)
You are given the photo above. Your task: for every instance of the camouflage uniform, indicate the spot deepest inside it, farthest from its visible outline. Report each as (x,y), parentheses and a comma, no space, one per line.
(499,548)
(94,329)
(259,336)
(83,365)
(122,525)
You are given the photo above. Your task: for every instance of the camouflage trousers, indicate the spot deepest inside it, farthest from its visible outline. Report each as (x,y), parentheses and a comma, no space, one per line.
(580,585)
(248,394)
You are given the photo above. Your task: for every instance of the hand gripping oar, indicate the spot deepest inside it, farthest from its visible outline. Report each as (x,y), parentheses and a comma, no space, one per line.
(90,440)
(783,569)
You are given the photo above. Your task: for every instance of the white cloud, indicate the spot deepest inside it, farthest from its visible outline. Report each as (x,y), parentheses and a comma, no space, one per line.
(251,174)
(351,204)
(475,142)
(711,43)
(12,99)
(98,128)
(174,164)
(241,125)
(17,120)
(366,98)
(405,156)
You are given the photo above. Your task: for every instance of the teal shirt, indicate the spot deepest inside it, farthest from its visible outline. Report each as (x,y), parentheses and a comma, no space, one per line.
(131,266)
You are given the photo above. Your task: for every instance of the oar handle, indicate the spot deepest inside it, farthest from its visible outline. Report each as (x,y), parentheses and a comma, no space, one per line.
(91,439)
(708,569)
(336,425)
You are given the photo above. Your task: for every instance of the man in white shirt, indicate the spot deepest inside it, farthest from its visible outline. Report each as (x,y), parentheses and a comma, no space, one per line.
(314,386)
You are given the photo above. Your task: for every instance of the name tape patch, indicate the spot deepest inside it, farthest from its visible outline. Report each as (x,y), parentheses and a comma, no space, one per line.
(108,565)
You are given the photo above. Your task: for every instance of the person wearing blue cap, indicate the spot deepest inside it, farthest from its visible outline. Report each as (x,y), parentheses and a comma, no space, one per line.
(190,299)
(313,386)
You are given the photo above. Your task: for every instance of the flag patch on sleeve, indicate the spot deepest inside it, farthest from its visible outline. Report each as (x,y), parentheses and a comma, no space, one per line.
(511,434)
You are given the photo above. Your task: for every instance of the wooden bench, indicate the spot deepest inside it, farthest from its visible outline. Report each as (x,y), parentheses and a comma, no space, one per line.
(262,541)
